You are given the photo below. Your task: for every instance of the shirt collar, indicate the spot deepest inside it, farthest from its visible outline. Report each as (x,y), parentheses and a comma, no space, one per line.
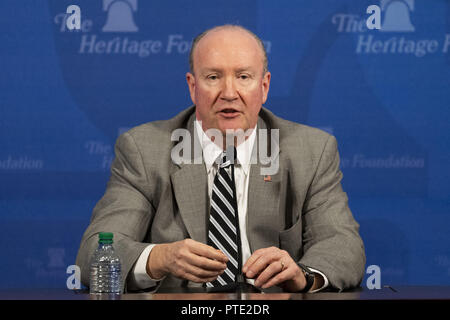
(211,151)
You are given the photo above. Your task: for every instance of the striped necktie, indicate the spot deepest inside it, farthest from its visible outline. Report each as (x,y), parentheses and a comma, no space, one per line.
(223,231)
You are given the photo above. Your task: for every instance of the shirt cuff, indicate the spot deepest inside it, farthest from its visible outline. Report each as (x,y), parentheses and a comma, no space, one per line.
(325,282)
(139,278)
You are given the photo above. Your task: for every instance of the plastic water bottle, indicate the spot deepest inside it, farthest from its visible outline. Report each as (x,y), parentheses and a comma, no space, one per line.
(105,271)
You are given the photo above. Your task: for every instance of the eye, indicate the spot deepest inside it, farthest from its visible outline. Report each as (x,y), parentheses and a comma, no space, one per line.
(212,77)
(244,76)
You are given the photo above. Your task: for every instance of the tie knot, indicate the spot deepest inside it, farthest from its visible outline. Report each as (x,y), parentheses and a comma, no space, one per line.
(228,157)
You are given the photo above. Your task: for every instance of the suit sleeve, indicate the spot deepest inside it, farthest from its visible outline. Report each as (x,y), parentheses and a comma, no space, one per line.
(331,239)
(125,209)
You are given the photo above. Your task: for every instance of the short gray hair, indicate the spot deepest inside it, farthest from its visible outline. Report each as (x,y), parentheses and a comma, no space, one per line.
(227,26)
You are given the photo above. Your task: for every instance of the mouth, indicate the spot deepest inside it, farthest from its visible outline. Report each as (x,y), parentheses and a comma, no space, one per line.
(229,113)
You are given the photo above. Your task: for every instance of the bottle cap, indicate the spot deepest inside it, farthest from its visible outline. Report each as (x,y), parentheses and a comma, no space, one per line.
(105,237)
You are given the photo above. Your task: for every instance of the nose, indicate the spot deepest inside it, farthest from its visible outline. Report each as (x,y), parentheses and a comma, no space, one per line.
(229,91)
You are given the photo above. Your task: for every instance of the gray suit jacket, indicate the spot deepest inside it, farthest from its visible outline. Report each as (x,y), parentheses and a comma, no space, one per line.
(303,209)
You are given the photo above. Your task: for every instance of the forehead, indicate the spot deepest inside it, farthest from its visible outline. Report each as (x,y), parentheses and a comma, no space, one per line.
(228,48)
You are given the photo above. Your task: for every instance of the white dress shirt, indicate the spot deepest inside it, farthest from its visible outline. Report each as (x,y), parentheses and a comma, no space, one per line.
(139,277)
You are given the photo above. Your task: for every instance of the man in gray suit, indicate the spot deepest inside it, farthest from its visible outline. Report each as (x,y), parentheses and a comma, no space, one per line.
(294,227)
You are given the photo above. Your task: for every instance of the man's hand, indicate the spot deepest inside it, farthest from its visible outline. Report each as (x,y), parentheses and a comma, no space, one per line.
(273,266)
(186,259)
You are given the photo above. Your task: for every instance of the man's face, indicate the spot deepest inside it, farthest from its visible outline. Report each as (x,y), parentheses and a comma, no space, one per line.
(228,87)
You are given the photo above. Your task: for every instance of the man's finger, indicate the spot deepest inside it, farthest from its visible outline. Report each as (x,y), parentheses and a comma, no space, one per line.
(267,273)
(255,256)
(278,278)
(206,263)
(208,252)
(202,273)
(260,264)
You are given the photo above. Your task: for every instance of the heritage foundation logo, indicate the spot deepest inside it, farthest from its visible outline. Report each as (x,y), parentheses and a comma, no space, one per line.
(397,15)
(397,19)
(120,34)
(120,16)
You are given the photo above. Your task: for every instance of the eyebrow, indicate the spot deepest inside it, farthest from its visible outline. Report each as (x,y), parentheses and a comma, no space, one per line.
(245,69)
(206,70)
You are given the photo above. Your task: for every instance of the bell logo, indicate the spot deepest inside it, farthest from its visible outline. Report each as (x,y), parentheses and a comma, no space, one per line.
(397,15)
(120,15)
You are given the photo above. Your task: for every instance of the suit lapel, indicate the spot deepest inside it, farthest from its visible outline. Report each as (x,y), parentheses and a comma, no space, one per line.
(190,188)
(190,183)
(263,217)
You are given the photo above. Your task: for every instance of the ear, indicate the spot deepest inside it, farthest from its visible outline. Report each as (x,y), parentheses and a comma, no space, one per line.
(265,86)
(190,79)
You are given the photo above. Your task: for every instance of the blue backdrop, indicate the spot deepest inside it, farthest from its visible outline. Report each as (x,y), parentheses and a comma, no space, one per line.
(65,96)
